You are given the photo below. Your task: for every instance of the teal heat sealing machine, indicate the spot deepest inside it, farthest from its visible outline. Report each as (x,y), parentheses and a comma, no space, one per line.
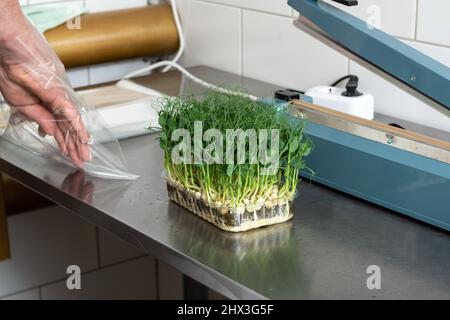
(401,169)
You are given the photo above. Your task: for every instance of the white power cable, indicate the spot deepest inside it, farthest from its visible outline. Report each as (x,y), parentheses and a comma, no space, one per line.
(189,75)
(174,63)
(180,31)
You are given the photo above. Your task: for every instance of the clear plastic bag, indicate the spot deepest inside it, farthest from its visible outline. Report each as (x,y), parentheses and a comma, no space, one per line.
(44,115)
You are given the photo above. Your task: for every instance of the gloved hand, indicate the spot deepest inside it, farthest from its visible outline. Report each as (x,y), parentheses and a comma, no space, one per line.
(34,84)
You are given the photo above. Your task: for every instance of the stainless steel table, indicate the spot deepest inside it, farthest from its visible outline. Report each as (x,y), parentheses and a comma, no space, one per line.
(323,253)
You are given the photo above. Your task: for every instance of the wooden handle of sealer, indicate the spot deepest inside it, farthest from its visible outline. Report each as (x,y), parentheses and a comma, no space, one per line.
(116,35)
(373,125)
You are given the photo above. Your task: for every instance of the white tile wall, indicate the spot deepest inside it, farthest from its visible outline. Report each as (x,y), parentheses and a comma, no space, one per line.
(396,17)
(26,295)
(270,6)
(275,51)
(433,23)
(213,35)
(395,102)
(113,250)
(134,280)
(439,53)
(43,244)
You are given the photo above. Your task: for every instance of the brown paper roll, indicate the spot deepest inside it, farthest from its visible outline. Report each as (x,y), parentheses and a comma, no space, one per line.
(116,35)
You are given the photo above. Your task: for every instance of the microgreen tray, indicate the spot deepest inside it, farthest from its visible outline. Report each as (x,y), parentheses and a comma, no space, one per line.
(226,218)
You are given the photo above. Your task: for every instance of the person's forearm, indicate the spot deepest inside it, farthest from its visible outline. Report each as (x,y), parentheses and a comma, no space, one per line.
(11,18)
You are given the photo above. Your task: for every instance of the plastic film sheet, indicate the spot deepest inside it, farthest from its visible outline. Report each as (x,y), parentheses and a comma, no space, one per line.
(42,114)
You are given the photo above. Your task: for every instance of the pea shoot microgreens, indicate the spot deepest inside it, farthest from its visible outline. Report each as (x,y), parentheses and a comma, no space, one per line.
(239,184)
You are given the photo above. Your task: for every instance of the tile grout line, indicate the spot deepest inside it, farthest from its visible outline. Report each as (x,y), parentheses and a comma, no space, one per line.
(83,274)
(19,292)
(121,262)
(97,240)
(437,45)
(289,16)
(442,46)
(248,9)
(417,20)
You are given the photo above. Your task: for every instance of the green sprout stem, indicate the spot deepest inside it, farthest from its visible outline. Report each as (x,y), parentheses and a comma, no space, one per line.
(244,185)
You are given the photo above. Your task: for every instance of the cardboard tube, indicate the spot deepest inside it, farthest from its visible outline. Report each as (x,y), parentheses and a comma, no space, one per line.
(116,35)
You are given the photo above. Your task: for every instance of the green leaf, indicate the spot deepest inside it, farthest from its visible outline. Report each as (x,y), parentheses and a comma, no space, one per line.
(307,148)
(230,169)
(162,120)
(293,145)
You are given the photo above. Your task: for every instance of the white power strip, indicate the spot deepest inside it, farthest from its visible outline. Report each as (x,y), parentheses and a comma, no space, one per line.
(331,97)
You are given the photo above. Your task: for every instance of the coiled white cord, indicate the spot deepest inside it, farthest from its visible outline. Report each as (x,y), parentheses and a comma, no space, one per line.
(189,75)
(174,63)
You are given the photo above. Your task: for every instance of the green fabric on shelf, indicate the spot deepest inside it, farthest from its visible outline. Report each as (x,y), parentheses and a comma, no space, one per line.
(45,18)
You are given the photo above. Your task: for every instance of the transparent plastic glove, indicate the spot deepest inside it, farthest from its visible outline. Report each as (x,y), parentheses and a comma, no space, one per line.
(34,84)
(45,114)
